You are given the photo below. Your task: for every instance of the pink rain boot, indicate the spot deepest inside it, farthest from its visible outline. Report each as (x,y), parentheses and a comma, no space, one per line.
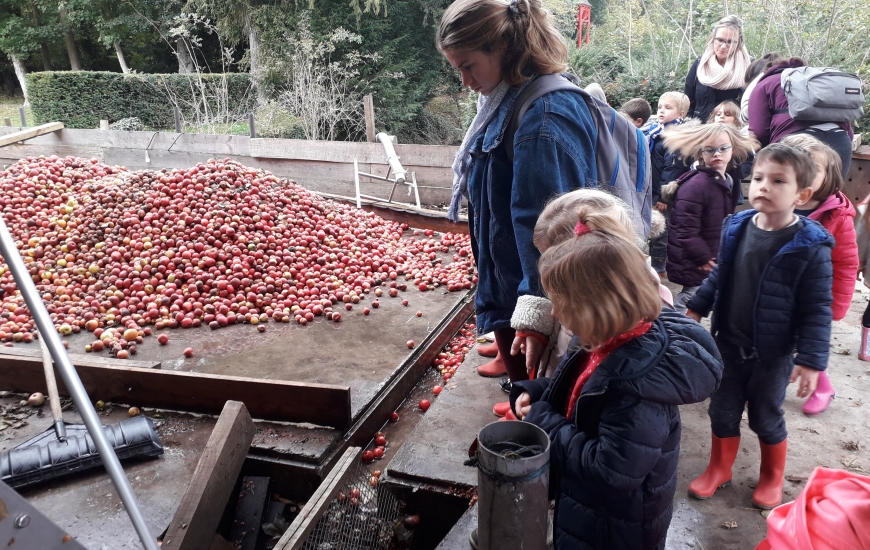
(821,398)
(864,352)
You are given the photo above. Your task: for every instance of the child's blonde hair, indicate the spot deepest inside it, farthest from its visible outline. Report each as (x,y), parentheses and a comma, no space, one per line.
(729,108)
(827,157)
(599,283)
(681,99)
(687,140)
(600,209)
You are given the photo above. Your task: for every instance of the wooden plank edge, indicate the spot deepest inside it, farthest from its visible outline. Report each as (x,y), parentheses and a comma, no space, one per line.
(30,133)
(197,517)
(155,388)
(78,359)
(418,219)
(317,505)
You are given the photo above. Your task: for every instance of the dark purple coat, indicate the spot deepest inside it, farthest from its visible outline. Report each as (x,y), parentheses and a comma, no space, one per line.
(768,97)
(703,200)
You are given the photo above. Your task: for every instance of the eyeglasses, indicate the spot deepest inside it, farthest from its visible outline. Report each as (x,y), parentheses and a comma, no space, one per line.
(721,150)
(723,42)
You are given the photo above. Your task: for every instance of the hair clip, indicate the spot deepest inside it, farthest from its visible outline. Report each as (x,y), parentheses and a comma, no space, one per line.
(581,229)
(512,7)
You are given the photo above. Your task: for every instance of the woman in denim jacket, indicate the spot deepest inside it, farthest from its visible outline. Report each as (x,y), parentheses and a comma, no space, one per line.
(499,47)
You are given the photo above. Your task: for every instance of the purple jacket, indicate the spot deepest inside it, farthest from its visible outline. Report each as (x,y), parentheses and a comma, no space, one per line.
(703,200)
(768,97)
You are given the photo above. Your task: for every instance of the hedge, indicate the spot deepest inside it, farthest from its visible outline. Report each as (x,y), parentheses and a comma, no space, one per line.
(80,99)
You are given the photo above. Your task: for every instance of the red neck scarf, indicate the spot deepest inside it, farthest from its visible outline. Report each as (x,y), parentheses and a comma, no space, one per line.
(595,357)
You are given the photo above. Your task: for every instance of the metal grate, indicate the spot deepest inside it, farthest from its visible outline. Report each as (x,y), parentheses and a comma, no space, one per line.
(360,517)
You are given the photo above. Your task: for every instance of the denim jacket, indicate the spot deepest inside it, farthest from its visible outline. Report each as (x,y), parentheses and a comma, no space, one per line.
(553,154)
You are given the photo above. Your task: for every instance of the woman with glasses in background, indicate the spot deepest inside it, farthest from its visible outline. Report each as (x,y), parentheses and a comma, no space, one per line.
(718,75)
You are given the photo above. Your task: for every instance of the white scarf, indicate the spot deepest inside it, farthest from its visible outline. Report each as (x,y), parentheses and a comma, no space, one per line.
(729,77)
(487,107)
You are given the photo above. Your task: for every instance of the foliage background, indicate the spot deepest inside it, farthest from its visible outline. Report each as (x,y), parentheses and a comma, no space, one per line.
(639,48)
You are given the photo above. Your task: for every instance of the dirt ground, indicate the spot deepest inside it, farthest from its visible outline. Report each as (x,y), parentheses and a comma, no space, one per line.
(838,438)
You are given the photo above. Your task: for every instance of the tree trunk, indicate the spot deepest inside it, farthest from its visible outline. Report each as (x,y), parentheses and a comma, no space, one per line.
(20,72)
(69,40)
(43,47)
(185,57)
(121,59)
(254,54)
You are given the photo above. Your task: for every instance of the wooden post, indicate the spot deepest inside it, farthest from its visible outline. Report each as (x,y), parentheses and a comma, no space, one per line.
(201,508)
(104,124)
(369,108)
(177,120)
(23,118)
(7,121)
(251,125)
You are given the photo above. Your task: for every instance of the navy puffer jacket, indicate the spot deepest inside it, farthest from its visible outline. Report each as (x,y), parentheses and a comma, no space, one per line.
(703,200)
(613,466)
(793,305)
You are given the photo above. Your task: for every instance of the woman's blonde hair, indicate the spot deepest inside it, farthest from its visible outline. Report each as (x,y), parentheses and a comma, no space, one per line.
(521,29)
(728,22)
(688,139)
(600,284)
(827,157)
(730,108)
(599,209)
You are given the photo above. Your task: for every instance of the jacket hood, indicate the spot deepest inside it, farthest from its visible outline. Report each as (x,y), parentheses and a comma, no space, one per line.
(675,363)
(792,63)
(837,204)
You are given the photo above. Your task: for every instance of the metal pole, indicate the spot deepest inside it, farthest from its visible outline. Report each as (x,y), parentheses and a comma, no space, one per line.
(23,118)
(74,384)
(392,157)
(177,120)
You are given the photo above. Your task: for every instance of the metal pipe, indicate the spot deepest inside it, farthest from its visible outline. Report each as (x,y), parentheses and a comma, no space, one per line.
(74,384)
(392,157)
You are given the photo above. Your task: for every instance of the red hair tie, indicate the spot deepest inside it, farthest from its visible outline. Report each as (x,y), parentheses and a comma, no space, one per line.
(581,229)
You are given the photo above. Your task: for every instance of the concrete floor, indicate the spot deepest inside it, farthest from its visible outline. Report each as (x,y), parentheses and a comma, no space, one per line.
(839,438)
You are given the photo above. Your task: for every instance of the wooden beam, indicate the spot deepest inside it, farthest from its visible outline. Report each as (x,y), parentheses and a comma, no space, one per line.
(346,151)
(195,521)
(321,404)
(30,133)
(369,112)
(294,537)
(417,219)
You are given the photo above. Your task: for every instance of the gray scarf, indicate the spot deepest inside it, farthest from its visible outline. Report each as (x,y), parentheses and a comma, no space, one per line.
(487,107)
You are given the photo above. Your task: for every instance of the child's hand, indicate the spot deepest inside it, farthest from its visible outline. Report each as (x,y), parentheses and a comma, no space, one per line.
(693,315)
(808,380)
(661,206)
(523,405)
(708,267)
(530,346)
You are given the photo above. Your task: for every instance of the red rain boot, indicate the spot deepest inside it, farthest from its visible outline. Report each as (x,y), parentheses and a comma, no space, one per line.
(718,473)
(493,369)
(509,416)
(487,350)
(501,409)
(864,352)
(821,398)
(768,492)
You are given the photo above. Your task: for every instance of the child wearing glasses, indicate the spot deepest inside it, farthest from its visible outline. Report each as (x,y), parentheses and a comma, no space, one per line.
(701,199)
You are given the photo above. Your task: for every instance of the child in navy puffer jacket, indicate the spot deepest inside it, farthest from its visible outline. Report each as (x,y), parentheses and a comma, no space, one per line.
(611,408)
(770,294)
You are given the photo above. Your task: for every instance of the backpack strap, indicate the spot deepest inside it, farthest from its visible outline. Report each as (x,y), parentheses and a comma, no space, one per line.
(780,111)
(541,86)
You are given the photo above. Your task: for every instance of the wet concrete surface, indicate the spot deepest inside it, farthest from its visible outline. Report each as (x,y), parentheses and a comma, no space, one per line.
(838,438)
(362,352)
(439,444)
(87,505)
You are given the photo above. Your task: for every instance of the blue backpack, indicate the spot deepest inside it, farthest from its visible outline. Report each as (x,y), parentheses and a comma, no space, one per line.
(621,154)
